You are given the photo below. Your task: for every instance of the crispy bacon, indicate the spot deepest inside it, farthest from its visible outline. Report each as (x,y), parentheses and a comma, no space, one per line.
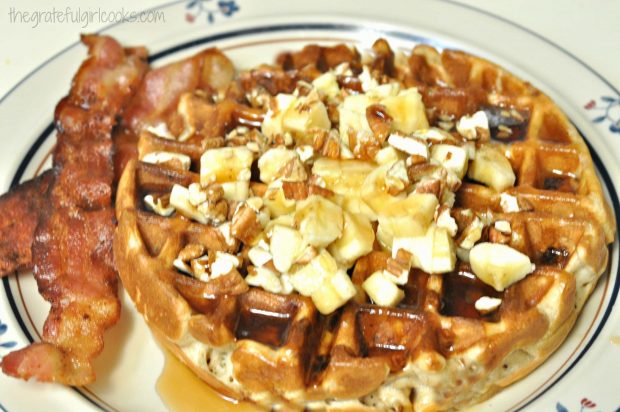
(210,71)
(72,247)
(19,218)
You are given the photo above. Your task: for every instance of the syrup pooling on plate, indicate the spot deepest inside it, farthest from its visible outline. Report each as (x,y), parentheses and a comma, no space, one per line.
(388,221)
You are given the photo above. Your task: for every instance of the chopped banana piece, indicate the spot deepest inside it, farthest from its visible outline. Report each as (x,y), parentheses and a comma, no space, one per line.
(356,240)
(272,124)
(445,220)
(306,113)
(487,304)
(352,114)
(407,111)
(433,252)
(225,164)
(375,190)
(499,265)
(492,168)
(344,177)
(470,126)
(308,278)
(384,90)
(503,226)
(391,227)
(157,206)
(273,161)
(409,145)
(408,217)
(388,155)
(182,160)
(179,199)
(260,254)
(327,83)
(320,221)
(444,254)
(276,202)
(196,194)
(237,191)
(420,205)
(452,158)
(285,246)
(264,278)
(382,290)
(333,292)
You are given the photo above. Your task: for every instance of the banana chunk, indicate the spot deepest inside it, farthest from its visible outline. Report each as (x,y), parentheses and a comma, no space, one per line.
(333,293)
(286,245)
(382,290)
(307,112)
(273,161)
(320,221)
(356,240)
(492,168)
(307,279)
(499,265)
(432,252)
(225,164)
(452,158)
(407,111)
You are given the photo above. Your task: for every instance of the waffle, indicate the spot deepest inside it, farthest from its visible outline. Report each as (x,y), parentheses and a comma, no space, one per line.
(278,276)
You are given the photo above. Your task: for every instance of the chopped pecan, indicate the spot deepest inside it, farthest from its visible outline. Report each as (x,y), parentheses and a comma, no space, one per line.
(401,264)
(295,190)
(331,148)
(495,236)
(369,264)
(380,121)
(432,186)
(384,58)
(318,190)
(245,225)
(293,171)
(191,251)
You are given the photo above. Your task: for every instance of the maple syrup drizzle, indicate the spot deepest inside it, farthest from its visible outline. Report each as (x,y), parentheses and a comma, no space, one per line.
(183,391)
(461,290)
(269,328)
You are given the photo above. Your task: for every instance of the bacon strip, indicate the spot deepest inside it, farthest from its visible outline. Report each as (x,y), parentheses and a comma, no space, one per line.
(19,218)
(72,247)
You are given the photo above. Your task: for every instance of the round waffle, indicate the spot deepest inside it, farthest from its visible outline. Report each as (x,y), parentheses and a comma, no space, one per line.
(360,232)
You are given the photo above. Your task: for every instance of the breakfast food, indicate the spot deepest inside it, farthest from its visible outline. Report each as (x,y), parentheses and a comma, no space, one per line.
(338,231)
(62,223)
(349,231)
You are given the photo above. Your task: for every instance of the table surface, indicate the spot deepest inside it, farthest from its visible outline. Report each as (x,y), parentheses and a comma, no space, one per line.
(587,29)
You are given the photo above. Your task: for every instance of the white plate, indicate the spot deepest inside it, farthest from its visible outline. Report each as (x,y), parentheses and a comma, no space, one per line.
(581,375)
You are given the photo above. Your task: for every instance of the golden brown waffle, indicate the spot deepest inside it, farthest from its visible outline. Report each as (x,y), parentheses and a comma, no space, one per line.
(434,350)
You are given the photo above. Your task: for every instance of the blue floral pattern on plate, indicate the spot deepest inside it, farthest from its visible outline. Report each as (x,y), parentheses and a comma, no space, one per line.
(5,344)
(609,107)
(210,8)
